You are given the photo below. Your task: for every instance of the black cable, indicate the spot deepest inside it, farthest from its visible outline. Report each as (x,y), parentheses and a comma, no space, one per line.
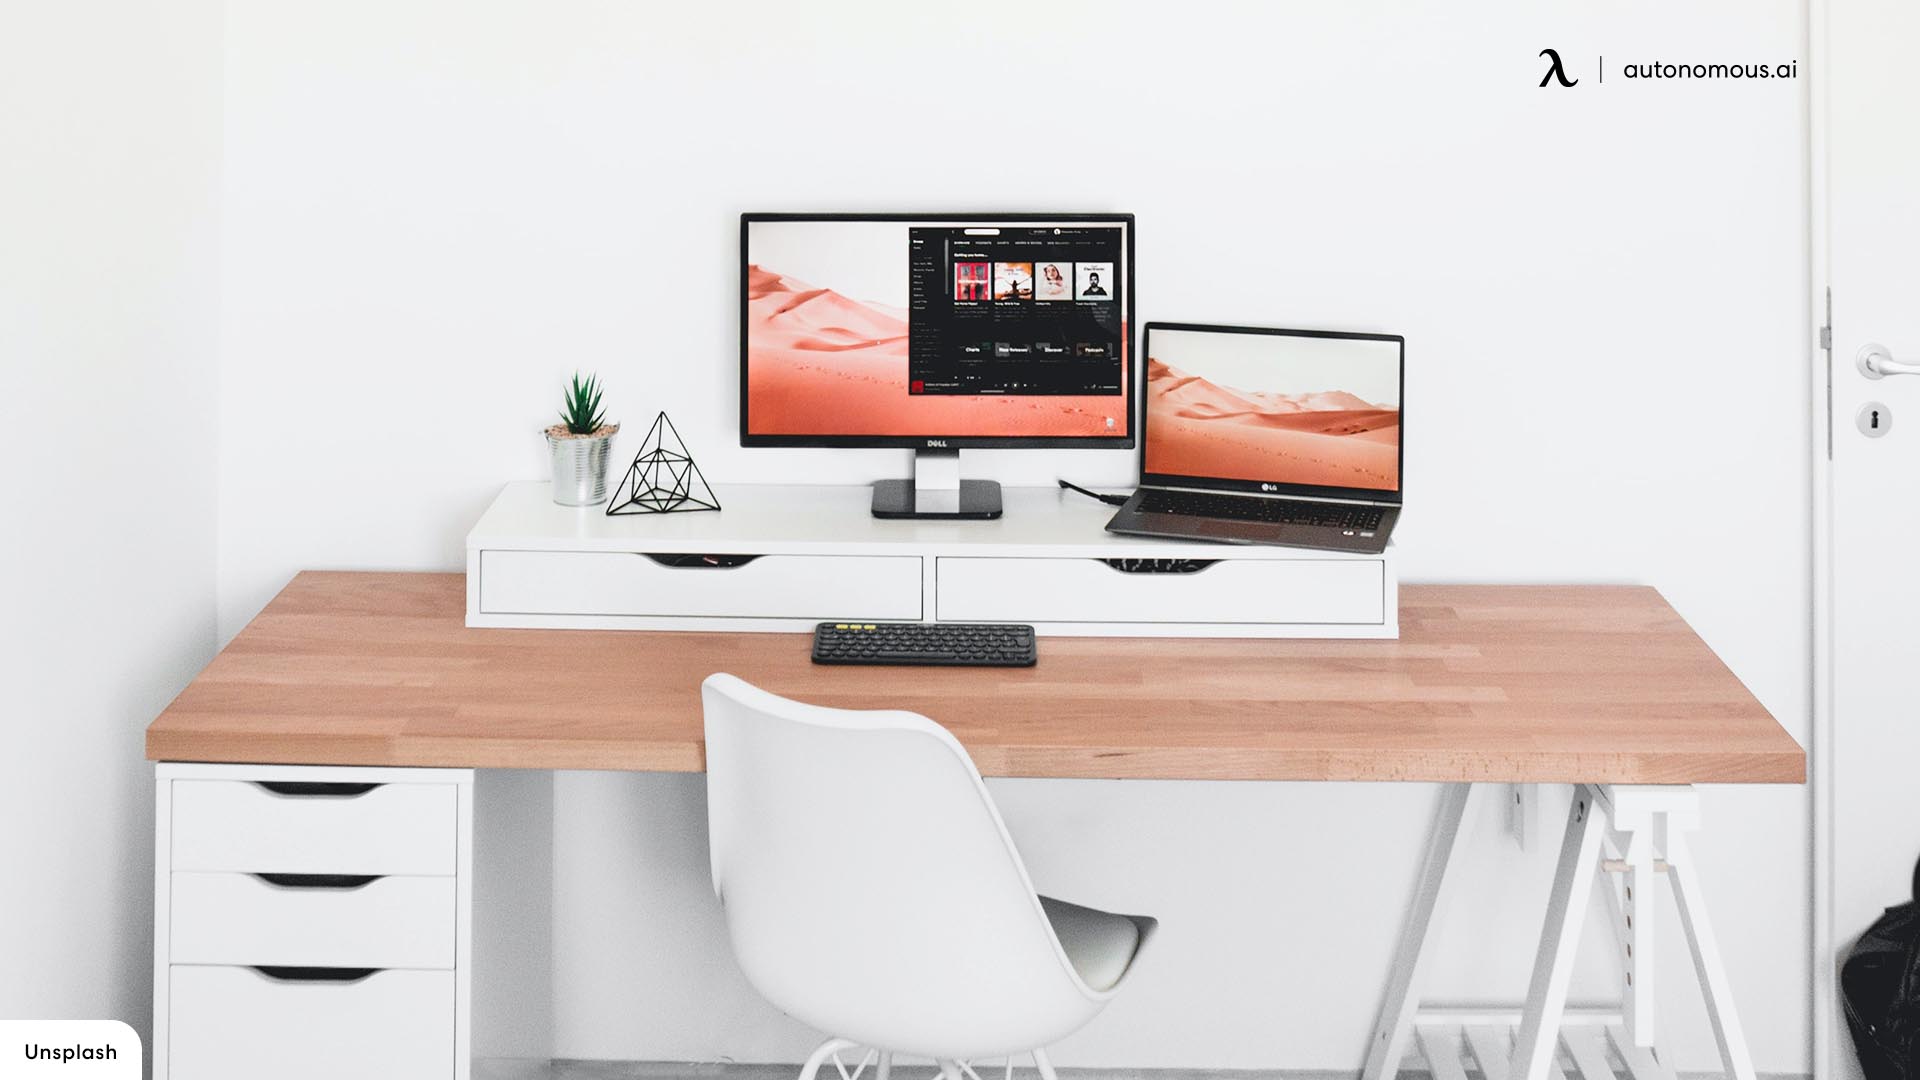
(1110,500)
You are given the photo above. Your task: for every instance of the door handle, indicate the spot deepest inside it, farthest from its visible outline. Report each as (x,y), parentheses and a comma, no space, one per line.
(1877,362)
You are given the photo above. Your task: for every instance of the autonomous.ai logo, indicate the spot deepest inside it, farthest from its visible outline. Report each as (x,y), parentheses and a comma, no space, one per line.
(1555,70)
(1666,70)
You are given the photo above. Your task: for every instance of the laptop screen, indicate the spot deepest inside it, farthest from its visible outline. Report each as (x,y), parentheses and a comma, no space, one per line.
(1264,410)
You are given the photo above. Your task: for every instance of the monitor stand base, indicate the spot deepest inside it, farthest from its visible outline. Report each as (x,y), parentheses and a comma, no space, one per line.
(975,500)
(936,491)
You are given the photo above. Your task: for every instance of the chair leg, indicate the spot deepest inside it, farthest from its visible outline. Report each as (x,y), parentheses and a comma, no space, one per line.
(884,1070)
(949,1069)
(1044,1065)
(820,1055)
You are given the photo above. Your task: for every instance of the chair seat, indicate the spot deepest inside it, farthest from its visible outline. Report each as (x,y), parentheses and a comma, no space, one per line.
(1099,944)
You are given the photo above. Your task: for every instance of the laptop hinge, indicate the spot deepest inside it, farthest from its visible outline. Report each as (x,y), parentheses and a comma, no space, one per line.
(1344,500)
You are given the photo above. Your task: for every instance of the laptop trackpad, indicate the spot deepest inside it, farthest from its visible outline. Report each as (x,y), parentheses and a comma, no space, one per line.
(1205,527)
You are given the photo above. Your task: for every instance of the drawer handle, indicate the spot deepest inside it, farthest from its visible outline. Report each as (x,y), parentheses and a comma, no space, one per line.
(1159,566)
(316,974)
(315,789)
(685,561)
(320,881)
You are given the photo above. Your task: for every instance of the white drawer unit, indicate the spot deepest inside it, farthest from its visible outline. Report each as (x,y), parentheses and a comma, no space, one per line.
(782,558)
(312,922)
(313,827)
(721,586)
(241,1023)
(1235,592)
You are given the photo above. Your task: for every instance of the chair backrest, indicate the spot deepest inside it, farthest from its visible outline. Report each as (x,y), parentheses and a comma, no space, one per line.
(870,887)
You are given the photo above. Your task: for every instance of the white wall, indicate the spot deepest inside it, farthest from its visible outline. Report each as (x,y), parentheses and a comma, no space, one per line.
(109,149)
(434,210)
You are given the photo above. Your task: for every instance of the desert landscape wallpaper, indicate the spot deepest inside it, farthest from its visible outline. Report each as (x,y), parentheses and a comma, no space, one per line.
(1196,427)
(819,363)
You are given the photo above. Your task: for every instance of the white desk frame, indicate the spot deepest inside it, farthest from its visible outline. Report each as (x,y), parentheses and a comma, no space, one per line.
(1633,834)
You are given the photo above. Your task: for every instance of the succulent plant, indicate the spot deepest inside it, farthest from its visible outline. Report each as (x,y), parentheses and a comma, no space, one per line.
(580,406)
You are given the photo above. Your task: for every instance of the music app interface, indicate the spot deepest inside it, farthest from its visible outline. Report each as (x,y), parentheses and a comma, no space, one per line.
(1015,310)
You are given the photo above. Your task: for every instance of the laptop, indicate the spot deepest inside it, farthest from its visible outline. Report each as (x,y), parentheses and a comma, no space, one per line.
(1262,436)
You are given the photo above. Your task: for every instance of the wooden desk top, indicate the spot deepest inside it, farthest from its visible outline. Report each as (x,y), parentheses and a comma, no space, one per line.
(1600,684)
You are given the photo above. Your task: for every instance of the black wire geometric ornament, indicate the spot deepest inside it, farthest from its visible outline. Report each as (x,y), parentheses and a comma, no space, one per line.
(662,478)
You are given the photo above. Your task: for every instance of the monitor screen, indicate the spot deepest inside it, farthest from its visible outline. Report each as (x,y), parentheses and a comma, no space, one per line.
(1291,411)
(958,331)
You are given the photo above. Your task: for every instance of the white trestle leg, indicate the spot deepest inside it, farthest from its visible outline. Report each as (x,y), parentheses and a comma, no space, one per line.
(1441,1048)
(1586,1047)
(1640,818)
(1629,837)
(1706,960)
(1490,1050)
(1410,960)
(1533,1053)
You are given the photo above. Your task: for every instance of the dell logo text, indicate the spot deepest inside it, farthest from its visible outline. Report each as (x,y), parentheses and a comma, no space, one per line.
(936,444)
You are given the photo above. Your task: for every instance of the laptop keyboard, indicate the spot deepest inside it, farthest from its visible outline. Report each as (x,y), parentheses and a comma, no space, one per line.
(1270,511)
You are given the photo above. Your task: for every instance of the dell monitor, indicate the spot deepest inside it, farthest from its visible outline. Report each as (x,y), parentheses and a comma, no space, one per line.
(936,333)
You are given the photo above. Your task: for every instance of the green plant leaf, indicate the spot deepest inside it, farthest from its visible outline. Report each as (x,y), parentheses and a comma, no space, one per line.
(580,405)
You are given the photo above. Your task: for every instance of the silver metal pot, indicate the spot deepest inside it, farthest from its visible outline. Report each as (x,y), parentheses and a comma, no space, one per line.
(580,468)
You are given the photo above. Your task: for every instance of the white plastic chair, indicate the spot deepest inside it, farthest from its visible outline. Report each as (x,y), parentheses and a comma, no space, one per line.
(871,890)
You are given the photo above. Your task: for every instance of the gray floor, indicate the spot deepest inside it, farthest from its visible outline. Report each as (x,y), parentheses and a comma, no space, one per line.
(661,1070)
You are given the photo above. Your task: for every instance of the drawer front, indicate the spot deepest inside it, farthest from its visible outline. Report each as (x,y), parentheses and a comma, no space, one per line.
(241,919)
(1231,591)
(768,587)
(235,1023)
(241,826)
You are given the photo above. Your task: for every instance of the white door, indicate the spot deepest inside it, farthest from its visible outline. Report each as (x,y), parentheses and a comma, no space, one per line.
(1871,797)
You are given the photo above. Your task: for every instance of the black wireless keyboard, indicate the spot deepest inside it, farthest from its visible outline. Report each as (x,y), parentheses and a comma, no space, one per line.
(924,644)
(1248,508)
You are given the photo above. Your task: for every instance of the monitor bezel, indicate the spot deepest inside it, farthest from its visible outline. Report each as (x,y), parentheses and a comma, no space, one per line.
(956,442)
(1274,487)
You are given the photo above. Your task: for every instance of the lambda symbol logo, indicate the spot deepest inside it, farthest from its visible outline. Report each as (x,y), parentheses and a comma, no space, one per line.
(1554,70)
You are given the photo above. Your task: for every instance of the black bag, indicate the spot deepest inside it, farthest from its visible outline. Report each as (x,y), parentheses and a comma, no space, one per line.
(1880,989)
